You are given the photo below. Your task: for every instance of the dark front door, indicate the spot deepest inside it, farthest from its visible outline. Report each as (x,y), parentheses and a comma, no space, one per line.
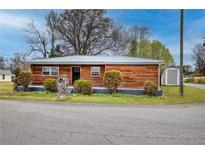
(75,73)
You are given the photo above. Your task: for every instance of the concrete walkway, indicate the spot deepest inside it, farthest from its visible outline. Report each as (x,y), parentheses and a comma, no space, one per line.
(199,86)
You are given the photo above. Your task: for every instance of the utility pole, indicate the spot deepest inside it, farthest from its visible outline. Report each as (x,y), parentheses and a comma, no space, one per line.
(181,51)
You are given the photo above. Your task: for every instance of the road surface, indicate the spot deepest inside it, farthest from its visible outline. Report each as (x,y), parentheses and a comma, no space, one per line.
(27,122)
(199,86)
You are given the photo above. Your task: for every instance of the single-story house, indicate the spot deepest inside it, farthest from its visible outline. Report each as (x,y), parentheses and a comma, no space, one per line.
(6,76)
(135,71)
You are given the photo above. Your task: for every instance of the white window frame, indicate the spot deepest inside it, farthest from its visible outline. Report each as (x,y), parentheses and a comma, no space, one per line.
(43,71)
(57,70)
(93,67)
(50,68)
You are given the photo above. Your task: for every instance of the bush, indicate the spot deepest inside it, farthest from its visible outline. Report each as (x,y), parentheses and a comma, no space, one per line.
(16,84)
(83,86)
(24,79)
(112,80)
(191,80)
(150,88)
(50,84)
(201,81)
(78,86)
(16,71)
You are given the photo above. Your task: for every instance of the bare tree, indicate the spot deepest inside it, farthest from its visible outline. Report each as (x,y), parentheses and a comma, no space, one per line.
(19,60)
(37,39)
(120,40)
(85,32)
(2,63)
(82,32)
(51,23)
(199,58)
(139,33)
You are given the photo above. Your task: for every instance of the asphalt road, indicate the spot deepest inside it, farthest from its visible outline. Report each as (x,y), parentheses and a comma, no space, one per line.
(53,123)
(199,86)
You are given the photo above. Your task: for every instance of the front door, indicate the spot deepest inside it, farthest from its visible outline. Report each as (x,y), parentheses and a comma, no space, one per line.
(75,74)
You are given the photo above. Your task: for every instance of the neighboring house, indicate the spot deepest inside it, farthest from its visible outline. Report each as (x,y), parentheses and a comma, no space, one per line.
(170,76)
(6,75)
(135,71)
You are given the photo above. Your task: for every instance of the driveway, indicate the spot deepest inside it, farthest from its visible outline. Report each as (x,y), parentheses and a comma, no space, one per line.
(26,122)
(199,86)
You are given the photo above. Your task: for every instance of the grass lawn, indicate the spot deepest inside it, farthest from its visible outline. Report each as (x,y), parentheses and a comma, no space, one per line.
(171,96)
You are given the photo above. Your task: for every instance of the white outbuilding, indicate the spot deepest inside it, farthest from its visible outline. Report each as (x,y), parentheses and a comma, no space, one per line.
(170,76)
(6,76)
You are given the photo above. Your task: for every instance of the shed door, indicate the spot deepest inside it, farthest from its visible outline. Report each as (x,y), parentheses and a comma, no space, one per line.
(172,77)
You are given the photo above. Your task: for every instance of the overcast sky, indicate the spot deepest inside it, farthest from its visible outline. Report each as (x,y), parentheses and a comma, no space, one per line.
(163,24)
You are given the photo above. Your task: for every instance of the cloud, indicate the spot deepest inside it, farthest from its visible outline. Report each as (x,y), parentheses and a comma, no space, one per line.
(11,20)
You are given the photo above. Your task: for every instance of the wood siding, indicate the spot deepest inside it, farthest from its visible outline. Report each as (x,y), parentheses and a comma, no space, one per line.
(39,78)
(136,75)
(86,74)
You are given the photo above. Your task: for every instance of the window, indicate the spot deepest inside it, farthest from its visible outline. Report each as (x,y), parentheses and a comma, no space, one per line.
(95,71)
(3,76)
(54,70)
(48,70)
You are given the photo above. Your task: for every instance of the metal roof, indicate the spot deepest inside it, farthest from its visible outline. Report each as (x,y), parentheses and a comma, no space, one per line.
(6,72)
(100,60)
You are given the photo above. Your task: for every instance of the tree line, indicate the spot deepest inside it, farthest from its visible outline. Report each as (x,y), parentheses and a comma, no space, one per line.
(92,32)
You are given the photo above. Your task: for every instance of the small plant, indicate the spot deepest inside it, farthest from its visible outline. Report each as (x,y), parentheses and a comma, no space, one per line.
(112,81)
(83,86)
(150,88)
(50,84)
(25,79)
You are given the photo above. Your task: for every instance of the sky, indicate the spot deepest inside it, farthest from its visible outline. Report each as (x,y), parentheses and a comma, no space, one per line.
(163,24)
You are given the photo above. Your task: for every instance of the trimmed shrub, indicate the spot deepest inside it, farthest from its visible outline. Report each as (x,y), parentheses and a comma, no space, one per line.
(150,88)
(50,84)
(83,86)
(24,79)
(78,86)
(191,80)
(112,80)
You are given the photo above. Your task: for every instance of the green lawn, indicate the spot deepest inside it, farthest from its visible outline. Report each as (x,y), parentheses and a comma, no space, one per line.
(171,96)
